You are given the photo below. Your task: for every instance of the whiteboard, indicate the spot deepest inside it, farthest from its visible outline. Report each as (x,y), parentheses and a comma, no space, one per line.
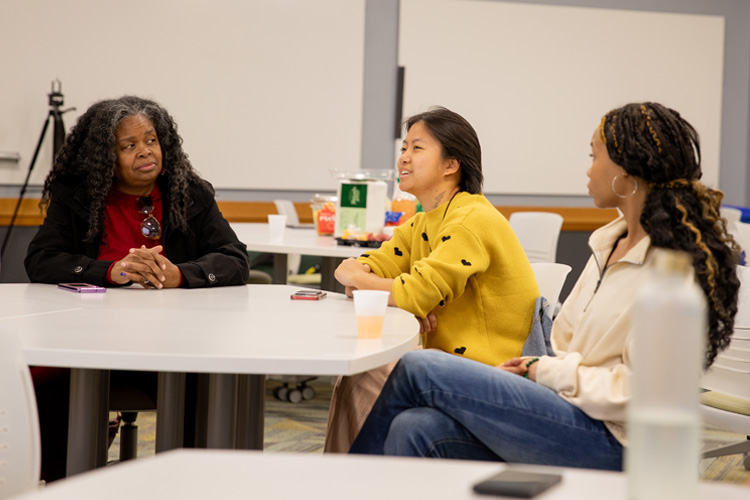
(535,80)
(267,94)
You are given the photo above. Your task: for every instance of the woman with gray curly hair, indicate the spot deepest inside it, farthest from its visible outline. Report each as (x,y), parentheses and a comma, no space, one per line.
(124,205)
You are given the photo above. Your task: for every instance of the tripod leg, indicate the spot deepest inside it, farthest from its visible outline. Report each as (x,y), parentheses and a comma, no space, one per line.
(25,183)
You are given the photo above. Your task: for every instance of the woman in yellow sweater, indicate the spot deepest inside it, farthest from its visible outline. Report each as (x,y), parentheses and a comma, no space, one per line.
(458,267)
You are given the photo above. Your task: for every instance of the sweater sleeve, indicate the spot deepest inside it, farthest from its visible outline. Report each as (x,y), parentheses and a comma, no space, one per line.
(456,255)
(601,391)
(393,256)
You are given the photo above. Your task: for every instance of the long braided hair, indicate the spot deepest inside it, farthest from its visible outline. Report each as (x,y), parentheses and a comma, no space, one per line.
(656,144)
(88,157)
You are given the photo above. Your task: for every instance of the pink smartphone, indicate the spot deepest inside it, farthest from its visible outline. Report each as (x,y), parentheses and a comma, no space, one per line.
(308,295)
(81,288)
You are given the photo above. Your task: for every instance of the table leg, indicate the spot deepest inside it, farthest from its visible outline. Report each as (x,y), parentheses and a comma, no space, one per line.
(327,281)
(170,407)
(201,412)
(251,409)
(280,268)
(222,411)
(88,417)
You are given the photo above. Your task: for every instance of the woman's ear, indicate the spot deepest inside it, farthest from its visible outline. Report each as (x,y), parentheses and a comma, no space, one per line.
(452,167)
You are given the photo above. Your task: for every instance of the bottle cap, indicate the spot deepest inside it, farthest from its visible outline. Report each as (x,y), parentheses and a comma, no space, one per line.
(672,261)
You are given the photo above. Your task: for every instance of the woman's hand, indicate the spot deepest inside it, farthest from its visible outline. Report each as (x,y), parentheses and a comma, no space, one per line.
(357,276)
(518,366)
(350,272)
(147,267)
(428,323)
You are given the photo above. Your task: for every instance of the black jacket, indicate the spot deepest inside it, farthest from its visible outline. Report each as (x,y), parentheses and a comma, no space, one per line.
(208,255)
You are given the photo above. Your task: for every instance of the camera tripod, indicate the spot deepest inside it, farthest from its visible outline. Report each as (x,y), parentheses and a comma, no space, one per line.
(56,100)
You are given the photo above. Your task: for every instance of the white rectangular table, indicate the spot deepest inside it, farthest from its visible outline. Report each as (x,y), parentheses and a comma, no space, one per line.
(228,475)
(253,331)
(257,238)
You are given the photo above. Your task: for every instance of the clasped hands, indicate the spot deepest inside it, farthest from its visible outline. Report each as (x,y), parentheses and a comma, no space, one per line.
(518,366)
(147,267)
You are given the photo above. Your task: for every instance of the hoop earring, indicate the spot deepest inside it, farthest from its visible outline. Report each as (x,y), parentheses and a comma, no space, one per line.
(614,190)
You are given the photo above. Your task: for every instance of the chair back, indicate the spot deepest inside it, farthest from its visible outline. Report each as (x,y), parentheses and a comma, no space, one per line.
(733,217)
(20,444)
(730,373)
(727,406)
(743,236)
(550,277)
(286,207)
(742,318)
(538,233)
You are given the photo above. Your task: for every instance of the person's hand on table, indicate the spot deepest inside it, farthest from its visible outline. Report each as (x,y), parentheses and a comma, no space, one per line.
(350,272)
(147,267)
(428,323)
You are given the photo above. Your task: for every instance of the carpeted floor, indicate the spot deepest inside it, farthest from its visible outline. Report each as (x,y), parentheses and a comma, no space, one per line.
(301,428)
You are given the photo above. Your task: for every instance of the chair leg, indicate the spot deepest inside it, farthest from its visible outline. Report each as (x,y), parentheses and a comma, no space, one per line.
(732,449)
(128,436)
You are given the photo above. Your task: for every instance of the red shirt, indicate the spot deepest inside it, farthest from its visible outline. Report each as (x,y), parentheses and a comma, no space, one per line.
(122,225)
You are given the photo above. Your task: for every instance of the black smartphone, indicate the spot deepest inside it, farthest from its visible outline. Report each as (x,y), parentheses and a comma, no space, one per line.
(517,483)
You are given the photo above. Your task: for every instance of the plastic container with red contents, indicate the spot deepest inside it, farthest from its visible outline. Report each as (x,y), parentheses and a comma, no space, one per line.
(324,213)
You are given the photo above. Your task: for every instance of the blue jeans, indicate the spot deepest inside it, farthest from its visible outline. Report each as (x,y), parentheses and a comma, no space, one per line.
(438,405)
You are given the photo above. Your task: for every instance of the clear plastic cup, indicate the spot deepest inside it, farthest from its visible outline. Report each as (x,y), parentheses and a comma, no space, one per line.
(370,307)
(276,226)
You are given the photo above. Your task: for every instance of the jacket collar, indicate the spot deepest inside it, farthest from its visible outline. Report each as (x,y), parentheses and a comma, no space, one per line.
(603,239)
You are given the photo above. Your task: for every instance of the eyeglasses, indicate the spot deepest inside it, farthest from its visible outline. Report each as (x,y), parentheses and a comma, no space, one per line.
(150,227)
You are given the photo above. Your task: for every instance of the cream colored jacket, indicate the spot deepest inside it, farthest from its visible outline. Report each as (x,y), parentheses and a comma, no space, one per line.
(592,334)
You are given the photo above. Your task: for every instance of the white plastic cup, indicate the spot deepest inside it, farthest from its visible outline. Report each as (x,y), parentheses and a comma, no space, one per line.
(370,307)
(276,226)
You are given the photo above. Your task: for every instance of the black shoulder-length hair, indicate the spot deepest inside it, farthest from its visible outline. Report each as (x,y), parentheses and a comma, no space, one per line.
(458,140)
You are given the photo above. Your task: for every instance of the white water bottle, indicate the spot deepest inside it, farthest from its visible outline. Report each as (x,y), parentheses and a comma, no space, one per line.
(669,328)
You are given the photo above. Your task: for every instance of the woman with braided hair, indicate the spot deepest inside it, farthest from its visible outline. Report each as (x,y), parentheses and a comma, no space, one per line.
(569,409)
(124,205)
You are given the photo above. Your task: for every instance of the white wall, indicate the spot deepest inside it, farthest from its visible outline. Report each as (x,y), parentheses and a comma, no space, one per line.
(236,76)
(534,80)
(266,93)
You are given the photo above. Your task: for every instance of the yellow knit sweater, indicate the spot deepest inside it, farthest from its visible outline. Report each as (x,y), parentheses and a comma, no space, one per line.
(462,261)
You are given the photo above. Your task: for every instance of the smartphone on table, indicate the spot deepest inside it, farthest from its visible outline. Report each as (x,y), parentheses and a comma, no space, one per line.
(81,288)
(517,483)
(308,295)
